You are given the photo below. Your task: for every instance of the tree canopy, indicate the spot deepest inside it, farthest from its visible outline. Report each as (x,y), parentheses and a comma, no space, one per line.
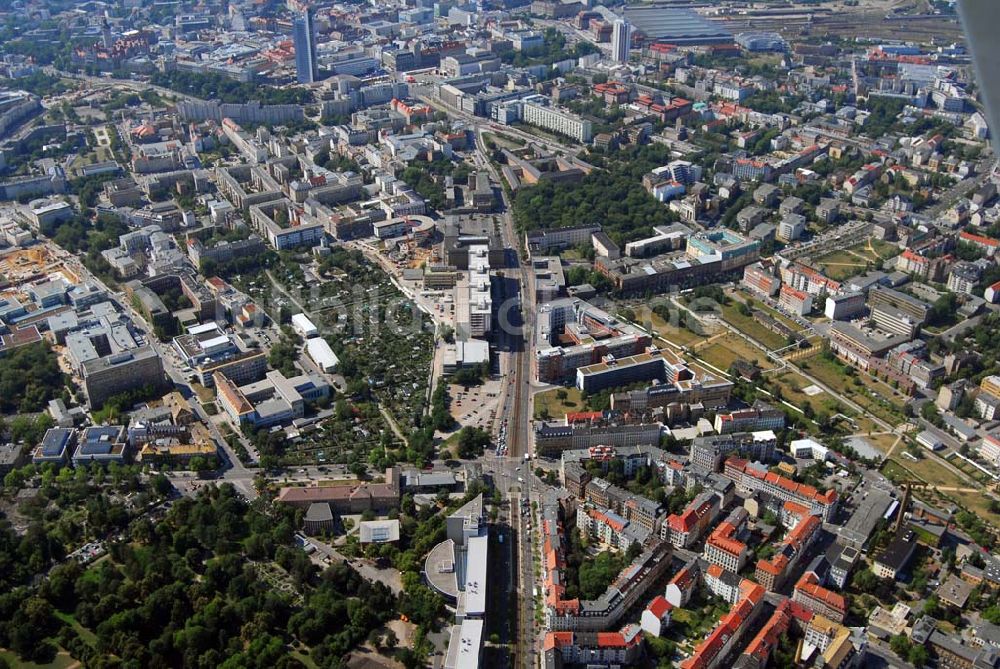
(613,197)
(214,583)
(29,378)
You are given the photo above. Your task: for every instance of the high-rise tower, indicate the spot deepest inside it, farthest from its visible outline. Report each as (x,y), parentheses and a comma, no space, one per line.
(621,40)
(304,36)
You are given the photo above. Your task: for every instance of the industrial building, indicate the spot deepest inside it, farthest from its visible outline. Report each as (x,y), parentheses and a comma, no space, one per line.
(303,326)
(669,24)
(319,352)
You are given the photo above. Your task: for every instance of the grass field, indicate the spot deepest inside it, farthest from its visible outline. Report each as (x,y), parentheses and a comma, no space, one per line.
(894,471)
(978,504)
(62,661)
(841,265)
(792,385)
(504,141)
(876,396)
(748,326)
(556,407)
(84,633)
(882,249)
(930,470)
(845,263)
(677,335)
(723,352)
(791,389)
(882,442)
(969,470)
(205,395)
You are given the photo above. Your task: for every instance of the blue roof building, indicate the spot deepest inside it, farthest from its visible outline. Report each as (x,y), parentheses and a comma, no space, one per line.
(103,443)
(55,445)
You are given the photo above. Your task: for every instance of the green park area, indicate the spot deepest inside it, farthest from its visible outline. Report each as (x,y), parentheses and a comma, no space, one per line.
(843,264)
(878,397)
(927,468)
(729,348)
(735,316)
(675,334)
(557,402)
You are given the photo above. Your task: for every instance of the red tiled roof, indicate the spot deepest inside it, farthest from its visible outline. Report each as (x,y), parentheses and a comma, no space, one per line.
(579,416)
(979,239)
(722,538)
(795,508)
(683,578)
(809,585)
(797,294)
(659,606)
(610,640)
(558,640)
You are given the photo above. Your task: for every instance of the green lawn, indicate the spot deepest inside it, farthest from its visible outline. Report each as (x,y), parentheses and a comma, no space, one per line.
(304,658)
(894,471)
(930,470)
(723,352)
(676,335)
(845,263)
(840,265)
(748,326)
(882,442)
(557,408)
(84,633)
(970,471)
(792,386)
(62,661)
(505,141)
(875,395)
(977,503)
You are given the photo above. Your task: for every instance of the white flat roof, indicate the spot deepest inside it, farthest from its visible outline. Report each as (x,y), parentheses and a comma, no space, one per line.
(49,206)
(320,352)
(203,328)
(473,351)
(475,577)
(302,321)
(213,342)
(470,643)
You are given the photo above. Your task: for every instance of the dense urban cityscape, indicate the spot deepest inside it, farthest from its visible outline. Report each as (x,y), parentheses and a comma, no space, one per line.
(499,333)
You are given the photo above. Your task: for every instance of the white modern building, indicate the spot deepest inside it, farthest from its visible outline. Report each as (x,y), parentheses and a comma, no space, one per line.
(564,123)
(989,450)
(473,296)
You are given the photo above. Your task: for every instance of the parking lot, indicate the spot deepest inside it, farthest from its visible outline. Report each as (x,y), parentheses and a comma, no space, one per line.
(477,405)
